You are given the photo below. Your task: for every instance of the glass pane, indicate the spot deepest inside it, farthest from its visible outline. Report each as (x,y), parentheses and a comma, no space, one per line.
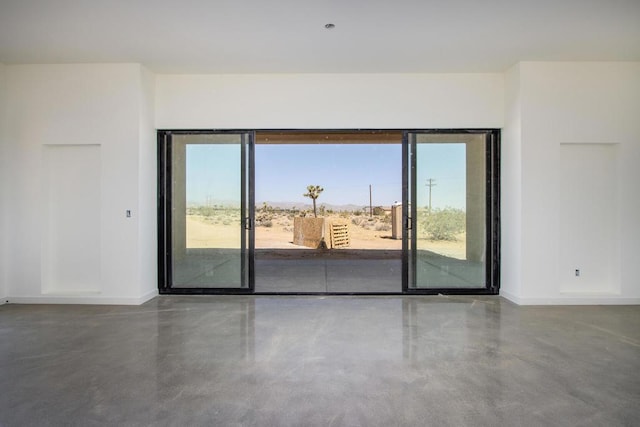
(207,234)
(448,207)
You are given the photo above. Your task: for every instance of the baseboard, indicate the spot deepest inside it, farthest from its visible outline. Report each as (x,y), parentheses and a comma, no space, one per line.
(572,300)
(148,296)
(514,299)
(81,299)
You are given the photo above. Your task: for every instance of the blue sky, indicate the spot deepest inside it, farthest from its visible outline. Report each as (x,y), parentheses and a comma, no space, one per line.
(446,164)
(213,173)
(345,171)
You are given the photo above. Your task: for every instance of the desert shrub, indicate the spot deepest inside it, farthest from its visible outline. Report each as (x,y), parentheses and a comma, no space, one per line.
(204,210)
(382,227)
(285,222)
(368,224)
(264,220)
(378,211)
(443,224)
(266,208)
(359,221)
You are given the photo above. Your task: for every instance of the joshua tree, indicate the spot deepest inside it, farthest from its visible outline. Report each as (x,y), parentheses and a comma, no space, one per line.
(313,192)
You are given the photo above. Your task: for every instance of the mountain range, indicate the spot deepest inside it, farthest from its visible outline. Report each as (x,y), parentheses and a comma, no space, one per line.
(305,206)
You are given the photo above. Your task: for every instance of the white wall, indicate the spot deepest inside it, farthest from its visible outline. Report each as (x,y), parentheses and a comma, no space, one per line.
(3,187)
(71,219)
(568,103)
(79,104)
(540,105)
(511,188)
(329,101)
(147,188)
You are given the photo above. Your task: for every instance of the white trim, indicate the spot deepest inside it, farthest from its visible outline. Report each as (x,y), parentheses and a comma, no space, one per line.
(148,296)
(571,300)
(84,299)
(514,299)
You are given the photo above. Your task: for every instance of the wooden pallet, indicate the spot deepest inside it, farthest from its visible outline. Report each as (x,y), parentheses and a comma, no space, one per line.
(340,235)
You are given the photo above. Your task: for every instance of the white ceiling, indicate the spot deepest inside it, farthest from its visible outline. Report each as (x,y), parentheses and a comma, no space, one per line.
(280,36)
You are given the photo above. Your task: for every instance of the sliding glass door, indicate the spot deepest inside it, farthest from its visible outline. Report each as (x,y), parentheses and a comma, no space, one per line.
(447,224)
(451,201)
(206,212)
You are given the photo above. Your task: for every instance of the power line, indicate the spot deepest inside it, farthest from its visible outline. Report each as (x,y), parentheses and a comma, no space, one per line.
(431,183)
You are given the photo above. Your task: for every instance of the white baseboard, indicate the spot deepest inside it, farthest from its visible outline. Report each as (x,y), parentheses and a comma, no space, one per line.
(148,296)
(514,299)
(81,299)
(572,300)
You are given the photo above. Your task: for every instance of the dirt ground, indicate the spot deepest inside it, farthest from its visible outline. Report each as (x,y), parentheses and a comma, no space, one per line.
(277,233)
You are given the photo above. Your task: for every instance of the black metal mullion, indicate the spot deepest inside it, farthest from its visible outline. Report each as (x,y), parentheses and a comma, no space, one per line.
(164,212)
(252,208)
(168,236)
(495,238)
(161,157)
(488,267)
(245,222)
(413,211)
(405,211)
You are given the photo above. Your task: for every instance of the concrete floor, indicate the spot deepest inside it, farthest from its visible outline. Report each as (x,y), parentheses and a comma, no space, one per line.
(358,275)
(344,271)
(329,275)
(319,361)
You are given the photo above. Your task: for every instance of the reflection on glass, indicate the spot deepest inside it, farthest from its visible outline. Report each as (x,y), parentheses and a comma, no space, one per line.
(207,233)
(448,205)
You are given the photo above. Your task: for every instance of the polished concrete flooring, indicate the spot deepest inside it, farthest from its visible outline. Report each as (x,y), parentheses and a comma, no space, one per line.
(329,275)
(319,361)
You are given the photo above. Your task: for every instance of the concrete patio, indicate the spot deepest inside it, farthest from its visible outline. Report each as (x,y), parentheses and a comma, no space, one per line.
(328,271)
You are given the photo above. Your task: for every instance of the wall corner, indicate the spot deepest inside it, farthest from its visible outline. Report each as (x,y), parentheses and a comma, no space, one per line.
(511,188)
(3,181)
(147,187)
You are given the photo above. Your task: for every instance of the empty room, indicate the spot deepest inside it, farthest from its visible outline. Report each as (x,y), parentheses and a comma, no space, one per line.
(289,213)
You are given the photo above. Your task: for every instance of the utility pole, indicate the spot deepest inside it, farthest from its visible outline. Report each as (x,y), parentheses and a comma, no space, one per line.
(430,184)
(370,203)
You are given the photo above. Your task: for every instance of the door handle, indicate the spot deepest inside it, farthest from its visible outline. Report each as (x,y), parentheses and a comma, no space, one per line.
(248,223)
(408,223)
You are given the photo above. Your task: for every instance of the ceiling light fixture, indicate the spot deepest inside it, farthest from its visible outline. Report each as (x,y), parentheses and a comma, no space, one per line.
(329,26)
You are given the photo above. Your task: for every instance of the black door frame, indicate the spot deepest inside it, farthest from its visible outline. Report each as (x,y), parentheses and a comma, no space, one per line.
(492,264)
(247,196)
(492,216)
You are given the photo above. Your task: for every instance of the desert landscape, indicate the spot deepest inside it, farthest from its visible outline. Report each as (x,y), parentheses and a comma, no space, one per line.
(219,228)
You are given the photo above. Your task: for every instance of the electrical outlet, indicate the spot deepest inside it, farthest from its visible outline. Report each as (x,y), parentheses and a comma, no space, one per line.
(128,213)
(577,272)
